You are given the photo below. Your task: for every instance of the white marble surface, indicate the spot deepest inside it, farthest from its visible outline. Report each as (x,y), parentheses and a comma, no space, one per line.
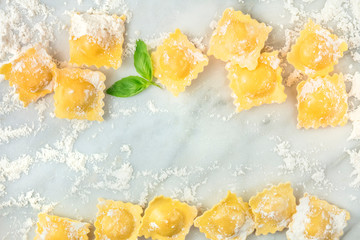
(197,131)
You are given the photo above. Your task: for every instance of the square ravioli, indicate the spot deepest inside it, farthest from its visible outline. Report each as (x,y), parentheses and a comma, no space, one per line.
(167,219)
(231,218)
(79,94)
(177,62)
(263,85)
(96,39)
(322,102)
(238,38)
(32,74)
(316,51)
(273,208)
(317,219)
(116,220)
(58,228)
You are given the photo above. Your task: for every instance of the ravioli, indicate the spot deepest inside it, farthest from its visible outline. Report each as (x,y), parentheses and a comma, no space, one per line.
(238,38)
(166,219)
(263,85)
(97,39)
(231,218)
(79,94)
(273,208)
(316,51)
(317,219)
(322,102)
(32,74)
(51,227)
(177,62)
(116,220)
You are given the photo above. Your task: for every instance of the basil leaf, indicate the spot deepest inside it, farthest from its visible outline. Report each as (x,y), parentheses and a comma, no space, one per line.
(128,87)
(142,60)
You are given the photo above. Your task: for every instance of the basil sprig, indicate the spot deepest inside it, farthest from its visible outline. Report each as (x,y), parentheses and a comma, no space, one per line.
(133,85)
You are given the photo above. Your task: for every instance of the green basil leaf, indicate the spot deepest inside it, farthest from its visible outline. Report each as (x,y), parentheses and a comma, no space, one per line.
(142,60)
(128,87)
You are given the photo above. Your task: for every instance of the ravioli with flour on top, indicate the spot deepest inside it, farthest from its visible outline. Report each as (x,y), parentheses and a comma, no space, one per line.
(166,219)
(273,208)
(322,102)
(31,73)
(79,94)
(231,218)
(177,62)
(97,39)
(316,51)
(51,227)
(317,219)
(116,220)
(263,85)
(238,38)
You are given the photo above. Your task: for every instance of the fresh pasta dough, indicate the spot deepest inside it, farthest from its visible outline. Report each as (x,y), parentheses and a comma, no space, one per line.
(322,102)
(167,219)
(117,220)
(238,38)
(79,94)
(316,51)
(231,218)
(273,208)
(31,73)
(177,62)
(51,227)
(263,85)
(97,39)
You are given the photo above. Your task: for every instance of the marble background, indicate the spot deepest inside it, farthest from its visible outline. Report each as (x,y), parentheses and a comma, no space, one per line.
(192,147)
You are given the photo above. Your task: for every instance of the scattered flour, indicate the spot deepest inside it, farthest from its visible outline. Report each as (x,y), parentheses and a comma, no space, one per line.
(25,23)
(10,102)
(117,179)
(116,110)
(198,42)
(151,41)
(8,133)
(355,162)
(153,109)
(114,6)
(355,84)
(126,149)
(12,170)
(100,26)
(297,161)
(41,106)
(295,77)
(354,114)
(31,199)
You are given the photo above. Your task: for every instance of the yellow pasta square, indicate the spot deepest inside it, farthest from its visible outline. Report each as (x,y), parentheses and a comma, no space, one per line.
(317,219)
(96,39)
(273,208)
(177,62)
(231,218)
(316,51)
(58,228)
(32,74)
(79,94)
(167,219)
(263,85)
(116,220)
(322,101)
(238,38)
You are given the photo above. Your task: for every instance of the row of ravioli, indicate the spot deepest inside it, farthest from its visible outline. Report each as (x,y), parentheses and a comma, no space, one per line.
(271,210)
(255,75)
